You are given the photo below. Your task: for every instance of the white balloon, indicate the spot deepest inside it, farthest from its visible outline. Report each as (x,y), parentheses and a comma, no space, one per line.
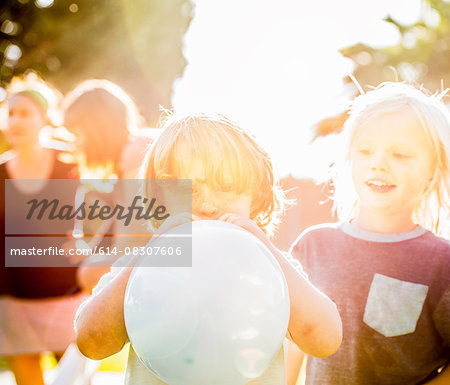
(221,321)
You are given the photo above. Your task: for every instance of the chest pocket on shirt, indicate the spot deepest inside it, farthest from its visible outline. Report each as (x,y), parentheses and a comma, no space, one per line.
(393,306)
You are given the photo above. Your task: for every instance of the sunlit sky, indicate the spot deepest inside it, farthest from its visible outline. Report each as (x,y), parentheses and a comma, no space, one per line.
(274,66)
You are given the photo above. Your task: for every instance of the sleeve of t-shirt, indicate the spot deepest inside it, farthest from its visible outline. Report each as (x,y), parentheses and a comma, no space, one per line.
(116,268)
(295,263)
(297,250)
(298,267)
(441,316)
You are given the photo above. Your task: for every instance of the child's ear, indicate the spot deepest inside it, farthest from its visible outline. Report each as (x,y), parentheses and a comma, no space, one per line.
(430,183)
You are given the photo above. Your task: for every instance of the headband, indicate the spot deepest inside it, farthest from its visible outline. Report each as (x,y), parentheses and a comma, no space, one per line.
(37,97)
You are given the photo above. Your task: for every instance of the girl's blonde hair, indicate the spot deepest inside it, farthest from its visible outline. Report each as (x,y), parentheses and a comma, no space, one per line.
(434,208)
(223,149)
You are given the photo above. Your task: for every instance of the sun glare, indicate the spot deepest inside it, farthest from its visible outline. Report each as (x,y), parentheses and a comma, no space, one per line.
(282,73)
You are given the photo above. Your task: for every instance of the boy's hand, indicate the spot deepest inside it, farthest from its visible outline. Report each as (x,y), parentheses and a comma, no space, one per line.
(174,221)
(245,223)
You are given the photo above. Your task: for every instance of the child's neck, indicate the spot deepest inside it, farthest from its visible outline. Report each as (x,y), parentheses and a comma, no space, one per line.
(381,223)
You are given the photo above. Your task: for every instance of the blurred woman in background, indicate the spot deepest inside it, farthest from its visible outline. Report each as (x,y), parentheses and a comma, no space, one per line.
(109,146)
(37,304)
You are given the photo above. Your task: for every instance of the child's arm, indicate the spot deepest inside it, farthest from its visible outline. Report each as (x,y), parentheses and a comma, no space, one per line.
(314,325)
(100,325)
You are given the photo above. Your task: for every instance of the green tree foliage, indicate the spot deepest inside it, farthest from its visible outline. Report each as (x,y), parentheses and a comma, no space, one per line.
(422,57)
(136,43)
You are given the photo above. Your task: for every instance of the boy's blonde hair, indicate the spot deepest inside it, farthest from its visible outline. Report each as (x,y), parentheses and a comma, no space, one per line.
(223,149)
(434,208)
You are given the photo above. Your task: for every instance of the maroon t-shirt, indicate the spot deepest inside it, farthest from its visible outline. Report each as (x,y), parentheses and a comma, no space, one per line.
(35,282)
(393,294)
